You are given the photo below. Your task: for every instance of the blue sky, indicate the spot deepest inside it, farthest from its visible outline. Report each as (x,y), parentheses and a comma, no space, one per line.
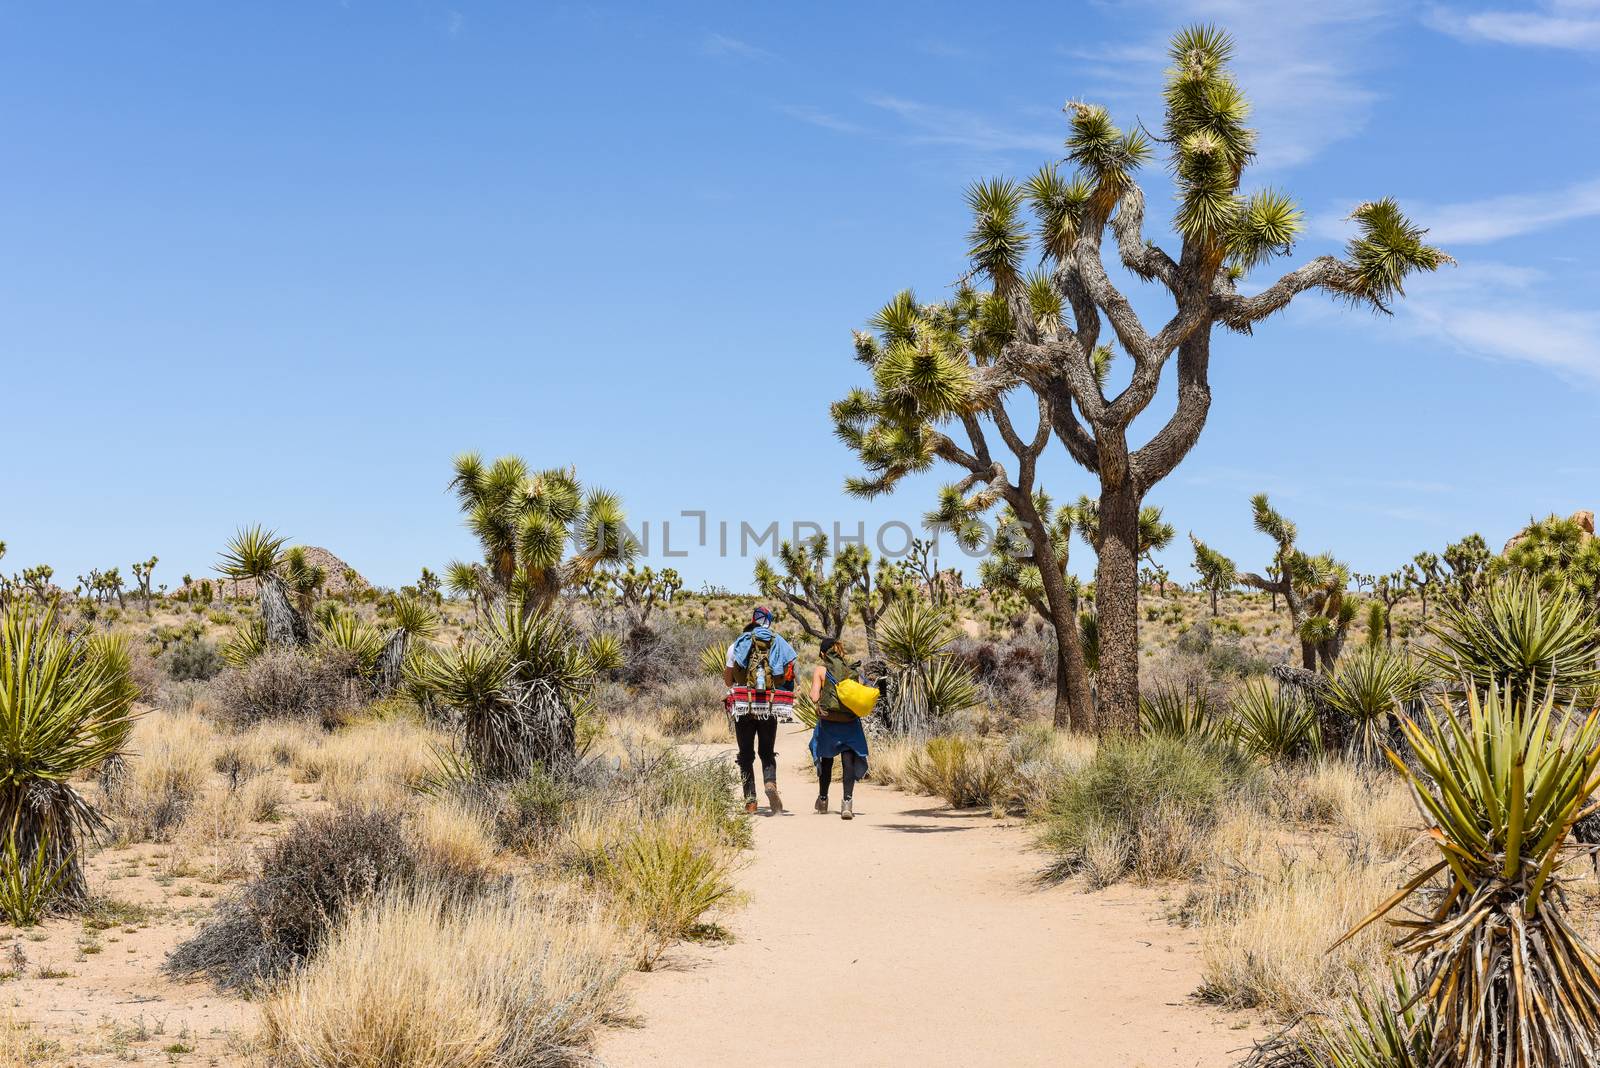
(279,262)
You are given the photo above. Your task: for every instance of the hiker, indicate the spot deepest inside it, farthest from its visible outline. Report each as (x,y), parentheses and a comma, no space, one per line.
(760,659)
(838,732)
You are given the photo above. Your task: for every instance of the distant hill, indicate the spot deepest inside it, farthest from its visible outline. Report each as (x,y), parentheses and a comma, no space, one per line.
(331,565)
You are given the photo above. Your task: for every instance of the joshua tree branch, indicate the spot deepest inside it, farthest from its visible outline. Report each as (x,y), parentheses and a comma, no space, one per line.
(1163,452)
(1138,255)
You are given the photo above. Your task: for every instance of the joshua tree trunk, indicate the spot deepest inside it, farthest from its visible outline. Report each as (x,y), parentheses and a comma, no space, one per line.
(285,626)
(1117,603)
(1074,706)
(391,662)
(1213,602)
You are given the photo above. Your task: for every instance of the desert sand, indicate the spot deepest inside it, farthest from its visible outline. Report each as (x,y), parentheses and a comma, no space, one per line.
(920,935)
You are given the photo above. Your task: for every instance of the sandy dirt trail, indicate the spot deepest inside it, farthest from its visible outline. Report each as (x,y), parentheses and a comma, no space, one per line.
(917,935)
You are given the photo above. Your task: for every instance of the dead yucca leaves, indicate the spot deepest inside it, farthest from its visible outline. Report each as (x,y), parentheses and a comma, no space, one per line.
(1506,979)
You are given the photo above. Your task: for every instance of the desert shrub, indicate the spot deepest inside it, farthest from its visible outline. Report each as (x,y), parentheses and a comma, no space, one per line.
(531,810)
(145,671)
(687,703)
(151,789)
(1269,909)
(664,877)
(1140,806)
(420,980)
(1518,635)
(309,878)
(668,652)
(280,684)
(963,770)
(193,660)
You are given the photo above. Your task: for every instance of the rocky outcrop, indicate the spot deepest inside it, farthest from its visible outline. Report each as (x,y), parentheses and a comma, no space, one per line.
(1583,517)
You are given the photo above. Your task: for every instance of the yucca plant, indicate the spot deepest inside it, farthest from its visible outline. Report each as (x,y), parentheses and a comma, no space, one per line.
(410,620)
(66,705)
(257,554)
(248,641)
(713,658)
(1516,635)
(1368,688)
(1507,978)
(1383,1027)
(347,635)
(1176,713)
(926,686)
(1277,724)
(517,689)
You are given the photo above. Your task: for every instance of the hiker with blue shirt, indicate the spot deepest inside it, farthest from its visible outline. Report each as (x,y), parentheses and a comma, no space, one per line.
(759,659)
(838,732)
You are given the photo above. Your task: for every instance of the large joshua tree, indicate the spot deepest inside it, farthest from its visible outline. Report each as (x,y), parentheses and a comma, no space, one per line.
(524,521)
(1312,586)
(1047,328)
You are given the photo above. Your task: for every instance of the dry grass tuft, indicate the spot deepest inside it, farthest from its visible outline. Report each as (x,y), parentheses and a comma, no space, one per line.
(455,835)
(375,764)
(1274,903)
(164,768)
(416,982)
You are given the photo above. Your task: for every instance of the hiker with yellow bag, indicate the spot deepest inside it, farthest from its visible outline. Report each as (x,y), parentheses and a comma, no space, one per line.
(841,702)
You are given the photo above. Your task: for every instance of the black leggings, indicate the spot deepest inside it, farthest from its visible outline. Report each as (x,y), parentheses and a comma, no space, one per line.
(751,731)
(854,767)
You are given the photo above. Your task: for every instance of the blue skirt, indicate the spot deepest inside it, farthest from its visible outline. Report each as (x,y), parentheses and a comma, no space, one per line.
(830,739)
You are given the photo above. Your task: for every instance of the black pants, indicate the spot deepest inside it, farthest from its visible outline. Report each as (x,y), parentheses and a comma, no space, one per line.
(853,767)
(751,732)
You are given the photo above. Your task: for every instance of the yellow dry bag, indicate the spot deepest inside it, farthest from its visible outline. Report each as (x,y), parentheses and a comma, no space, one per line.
(857,699)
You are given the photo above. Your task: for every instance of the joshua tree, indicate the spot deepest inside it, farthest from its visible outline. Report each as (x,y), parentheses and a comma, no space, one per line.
(1218,574)
(141,575)
(927,364)
(524,522)
(1313,587)
(470,581)
(304,579)
(1468,561)
(255,553)
(1014,566)
(1045,329)
(640,589)
(1422,575)
(818,599)
(1389,589)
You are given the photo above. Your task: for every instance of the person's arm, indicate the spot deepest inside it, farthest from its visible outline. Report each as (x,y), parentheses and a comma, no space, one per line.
(817,676)
(727,666)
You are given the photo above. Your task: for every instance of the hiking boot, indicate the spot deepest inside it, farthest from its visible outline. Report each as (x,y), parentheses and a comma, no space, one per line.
(774,802)
(750,806)
(847,811)
(822,804)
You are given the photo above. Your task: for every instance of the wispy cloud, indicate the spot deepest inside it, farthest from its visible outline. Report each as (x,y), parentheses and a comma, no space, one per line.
(934,125)
(720,44)
(1567,24)
(1494,310)
(1300,63)
(1479,222)
(817,117)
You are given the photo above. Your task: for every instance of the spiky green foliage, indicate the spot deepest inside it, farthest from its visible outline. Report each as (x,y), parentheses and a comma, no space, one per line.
(518,689)
(1555,552)
(1314,587)
(253,553)
(926,686)
(525,522)
(66,705)
(248,641)
(1011,564)
(353,640)
(1274,723)
(1369,688)
(1178,713)
(1218,574)
(1505,975)
(1515,634)
(1384,1026)
(817,596)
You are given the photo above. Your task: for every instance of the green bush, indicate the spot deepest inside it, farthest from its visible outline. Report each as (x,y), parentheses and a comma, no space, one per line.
(1143,807)
(193,660)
